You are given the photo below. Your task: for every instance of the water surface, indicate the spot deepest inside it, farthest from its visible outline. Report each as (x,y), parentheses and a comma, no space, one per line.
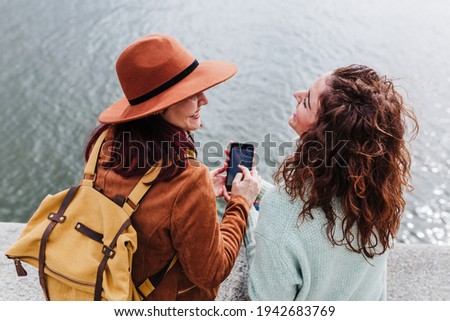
(57,75)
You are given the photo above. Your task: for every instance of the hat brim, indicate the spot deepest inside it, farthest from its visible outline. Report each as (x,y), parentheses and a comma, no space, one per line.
(206,75)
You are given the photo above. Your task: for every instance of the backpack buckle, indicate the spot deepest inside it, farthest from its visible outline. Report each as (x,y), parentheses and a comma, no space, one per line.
(130,205)
(56,218)
(119,200)
(109,252)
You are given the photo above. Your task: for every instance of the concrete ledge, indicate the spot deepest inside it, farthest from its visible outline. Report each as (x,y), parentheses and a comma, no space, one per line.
(415,272)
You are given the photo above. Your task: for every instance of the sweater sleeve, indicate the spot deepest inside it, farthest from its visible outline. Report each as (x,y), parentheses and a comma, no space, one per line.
(249,237)
(206,249)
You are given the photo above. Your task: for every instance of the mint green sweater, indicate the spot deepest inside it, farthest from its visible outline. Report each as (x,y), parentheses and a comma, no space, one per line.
(289,260)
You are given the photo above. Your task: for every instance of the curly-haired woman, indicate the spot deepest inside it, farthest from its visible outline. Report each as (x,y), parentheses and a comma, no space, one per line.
(325,231)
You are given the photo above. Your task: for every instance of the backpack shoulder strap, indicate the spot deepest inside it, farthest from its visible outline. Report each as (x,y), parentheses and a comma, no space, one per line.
(150,284)
(132,201)
(91,165)
(130,206)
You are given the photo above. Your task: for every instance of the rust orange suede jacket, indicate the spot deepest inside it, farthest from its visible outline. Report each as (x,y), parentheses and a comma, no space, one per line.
(180,217)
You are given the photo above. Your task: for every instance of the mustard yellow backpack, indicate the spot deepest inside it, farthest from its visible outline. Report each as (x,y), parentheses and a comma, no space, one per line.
(82,242)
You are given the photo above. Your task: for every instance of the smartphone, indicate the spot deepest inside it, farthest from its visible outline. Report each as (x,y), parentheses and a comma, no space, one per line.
(240,154)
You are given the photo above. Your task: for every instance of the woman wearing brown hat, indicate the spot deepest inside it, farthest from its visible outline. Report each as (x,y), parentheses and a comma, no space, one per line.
(324,233)
(163,86)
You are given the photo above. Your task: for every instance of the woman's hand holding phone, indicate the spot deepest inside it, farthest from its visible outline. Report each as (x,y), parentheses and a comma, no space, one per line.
(247,184)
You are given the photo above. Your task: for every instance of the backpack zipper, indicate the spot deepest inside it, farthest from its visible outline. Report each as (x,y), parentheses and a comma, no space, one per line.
(19,268)
(22,272)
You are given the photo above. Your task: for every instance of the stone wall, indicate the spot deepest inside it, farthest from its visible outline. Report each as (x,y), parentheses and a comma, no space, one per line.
(415,272)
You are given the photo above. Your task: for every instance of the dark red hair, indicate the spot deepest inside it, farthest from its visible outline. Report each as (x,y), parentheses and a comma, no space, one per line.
(373,167)
(138,144)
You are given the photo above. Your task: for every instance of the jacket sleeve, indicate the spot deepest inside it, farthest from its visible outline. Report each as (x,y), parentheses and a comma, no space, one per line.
(206,250)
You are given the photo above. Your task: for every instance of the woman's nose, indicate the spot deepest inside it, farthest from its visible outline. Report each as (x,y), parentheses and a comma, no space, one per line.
(202,100)
(299,95)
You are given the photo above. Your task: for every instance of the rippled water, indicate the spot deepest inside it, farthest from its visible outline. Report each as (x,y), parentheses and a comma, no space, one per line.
(57,74)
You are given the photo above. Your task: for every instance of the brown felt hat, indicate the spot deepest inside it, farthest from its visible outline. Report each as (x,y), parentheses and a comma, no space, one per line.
(156,72)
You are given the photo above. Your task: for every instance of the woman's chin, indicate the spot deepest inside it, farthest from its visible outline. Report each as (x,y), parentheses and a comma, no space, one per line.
(295,128)
(291,123)
(195,124)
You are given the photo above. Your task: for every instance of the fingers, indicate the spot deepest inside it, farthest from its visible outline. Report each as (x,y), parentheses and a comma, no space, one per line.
(215,172)
(238,177)
(227,151)
(244,170)
(247,184)
(218,171)
(226,195)
(227,158)
(246,174)
(221,169)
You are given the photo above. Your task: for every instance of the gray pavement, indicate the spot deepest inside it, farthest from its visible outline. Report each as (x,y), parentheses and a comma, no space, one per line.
(415,272)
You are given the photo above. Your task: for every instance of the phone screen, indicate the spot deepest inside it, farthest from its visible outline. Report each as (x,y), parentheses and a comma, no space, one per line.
(240,154)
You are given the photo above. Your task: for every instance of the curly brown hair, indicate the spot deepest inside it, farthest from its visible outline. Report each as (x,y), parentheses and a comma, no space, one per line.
(368,173)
